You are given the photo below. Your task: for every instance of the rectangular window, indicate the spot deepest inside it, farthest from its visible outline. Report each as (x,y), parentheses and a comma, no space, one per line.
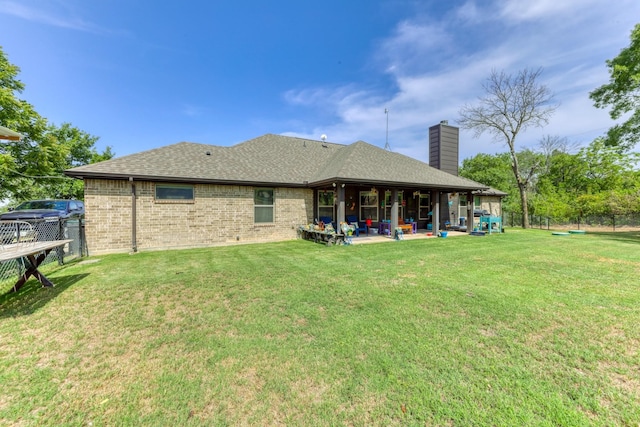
(326,204)
(263,204)
(387,205)
(425,207)
(462,206)
(369,206)
(476,202)
(174,192)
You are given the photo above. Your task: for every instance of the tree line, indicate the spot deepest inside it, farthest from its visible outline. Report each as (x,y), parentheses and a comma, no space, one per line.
(551,181)
(597,180)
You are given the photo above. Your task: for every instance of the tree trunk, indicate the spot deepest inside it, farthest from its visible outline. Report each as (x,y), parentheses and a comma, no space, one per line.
(522,185)
(525,209)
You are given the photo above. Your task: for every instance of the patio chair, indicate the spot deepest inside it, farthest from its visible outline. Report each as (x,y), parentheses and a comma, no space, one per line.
(358,227)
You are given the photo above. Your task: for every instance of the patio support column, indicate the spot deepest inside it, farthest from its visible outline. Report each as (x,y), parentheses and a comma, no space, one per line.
(394,210)
(469,212)
(435,211)
(341,206)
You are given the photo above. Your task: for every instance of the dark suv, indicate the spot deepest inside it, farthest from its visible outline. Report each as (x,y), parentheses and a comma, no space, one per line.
(45,209)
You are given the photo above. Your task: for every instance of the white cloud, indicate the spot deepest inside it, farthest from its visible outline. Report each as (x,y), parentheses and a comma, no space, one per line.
(435,72)
(470,12)
(65,20)
(410,44)
(526,10)
(315,96)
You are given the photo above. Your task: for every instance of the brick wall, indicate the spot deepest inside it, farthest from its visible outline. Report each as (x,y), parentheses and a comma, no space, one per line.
(492,204)
(219,214)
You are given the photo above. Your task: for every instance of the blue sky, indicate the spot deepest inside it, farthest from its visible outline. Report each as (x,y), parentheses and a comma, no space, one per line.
(143,74)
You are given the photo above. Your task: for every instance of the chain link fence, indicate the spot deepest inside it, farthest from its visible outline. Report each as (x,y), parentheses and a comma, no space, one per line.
(27,231)
(592,222)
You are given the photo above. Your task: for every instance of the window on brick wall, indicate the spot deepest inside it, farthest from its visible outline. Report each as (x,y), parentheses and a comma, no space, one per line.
(326,203)
(174,193)
(263,205)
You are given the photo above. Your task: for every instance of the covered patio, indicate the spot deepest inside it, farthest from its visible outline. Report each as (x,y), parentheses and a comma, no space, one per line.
(383,208)
(421,234)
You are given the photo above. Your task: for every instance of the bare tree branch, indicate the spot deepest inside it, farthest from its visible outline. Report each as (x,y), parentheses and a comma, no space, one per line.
(511,105)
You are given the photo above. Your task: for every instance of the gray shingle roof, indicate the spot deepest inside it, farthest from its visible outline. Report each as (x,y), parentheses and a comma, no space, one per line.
(491,192)
(275,160)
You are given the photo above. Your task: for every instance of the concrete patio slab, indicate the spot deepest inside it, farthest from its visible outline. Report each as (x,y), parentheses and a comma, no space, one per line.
(421,234)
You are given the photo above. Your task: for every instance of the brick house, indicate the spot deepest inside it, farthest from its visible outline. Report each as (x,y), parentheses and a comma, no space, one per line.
(196,195)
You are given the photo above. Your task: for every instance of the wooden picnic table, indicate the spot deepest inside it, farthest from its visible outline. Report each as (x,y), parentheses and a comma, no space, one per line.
(33,254)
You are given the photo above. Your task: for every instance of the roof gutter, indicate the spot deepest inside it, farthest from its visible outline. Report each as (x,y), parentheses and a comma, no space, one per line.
(184,180)
(304,184)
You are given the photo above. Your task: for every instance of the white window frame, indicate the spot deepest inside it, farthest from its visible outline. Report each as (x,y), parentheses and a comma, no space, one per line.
(388,203)
(424,209)
(462,207)
(263,206)
(477,202)
(323,196)
(369,209)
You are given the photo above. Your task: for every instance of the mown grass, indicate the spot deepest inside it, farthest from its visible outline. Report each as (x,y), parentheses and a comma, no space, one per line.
(522,329)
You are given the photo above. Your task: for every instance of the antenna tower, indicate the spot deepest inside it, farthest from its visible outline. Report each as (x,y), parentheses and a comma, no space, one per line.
(386,144)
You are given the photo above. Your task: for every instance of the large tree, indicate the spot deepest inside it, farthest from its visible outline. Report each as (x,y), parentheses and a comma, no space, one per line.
(32,167)
(494,171)
(511,104)
(622,94)
(598,180)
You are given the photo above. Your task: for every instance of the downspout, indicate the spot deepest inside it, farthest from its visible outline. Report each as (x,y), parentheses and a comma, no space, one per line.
(134,245)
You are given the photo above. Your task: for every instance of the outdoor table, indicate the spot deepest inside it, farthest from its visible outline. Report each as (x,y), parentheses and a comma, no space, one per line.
(384,228)
(33,254)
(411,227)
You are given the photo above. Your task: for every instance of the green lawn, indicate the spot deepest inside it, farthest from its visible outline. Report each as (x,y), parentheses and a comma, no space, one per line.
(518,329)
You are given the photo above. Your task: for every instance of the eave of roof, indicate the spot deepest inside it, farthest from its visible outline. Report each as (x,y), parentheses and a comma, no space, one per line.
(491,192)
(276,160)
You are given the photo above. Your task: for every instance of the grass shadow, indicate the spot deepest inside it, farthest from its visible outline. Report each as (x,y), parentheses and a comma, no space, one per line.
(621,236)
(32,296)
